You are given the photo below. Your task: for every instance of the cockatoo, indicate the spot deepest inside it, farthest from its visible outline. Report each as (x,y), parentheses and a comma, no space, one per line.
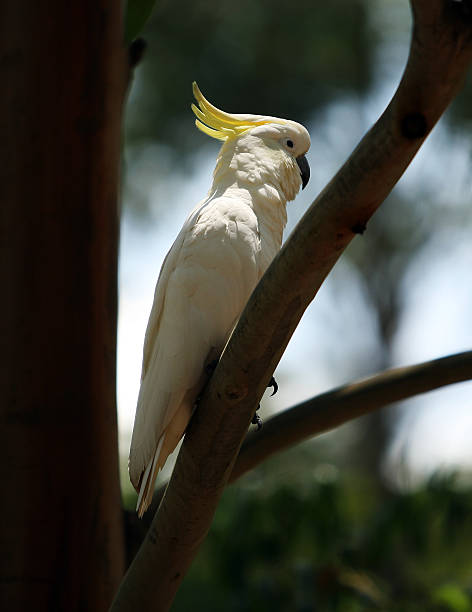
(224,247)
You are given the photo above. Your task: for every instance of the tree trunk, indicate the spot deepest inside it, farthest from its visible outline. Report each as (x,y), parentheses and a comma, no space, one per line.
(65,71)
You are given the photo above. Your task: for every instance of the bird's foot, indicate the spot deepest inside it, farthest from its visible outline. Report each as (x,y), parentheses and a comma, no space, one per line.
(274,385)
(256,420)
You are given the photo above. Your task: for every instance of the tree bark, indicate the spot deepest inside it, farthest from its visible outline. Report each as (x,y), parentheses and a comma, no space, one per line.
(440,53)
(64,74)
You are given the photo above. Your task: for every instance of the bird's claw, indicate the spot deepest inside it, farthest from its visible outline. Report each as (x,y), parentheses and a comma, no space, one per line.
(274,385)
(256,419)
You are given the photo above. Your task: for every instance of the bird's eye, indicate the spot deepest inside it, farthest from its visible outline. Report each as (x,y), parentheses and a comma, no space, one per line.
(289,143)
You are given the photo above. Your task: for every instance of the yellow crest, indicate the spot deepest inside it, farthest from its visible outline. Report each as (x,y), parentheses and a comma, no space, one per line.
(221,125)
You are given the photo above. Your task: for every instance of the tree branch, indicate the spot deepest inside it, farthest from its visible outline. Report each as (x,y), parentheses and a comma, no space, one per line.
(329,410)
(334,408)
(440,52)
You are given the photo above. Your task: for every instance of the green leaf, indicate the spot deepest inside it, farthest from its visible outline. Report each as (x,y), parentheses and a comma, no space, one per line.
(137,14)
(452,597)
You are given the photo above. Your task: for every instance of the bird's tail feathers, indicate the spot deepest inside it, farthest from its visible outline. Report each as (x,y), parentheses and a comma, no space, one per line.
(146,488)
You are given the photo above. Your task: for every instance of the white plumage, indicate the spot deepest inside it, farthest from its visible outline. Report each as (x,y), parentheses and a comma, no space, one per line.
(221,252)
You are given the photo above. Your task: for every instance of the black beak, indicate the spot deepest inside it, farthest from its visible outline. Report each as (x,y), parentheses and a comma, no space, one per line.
(304,170)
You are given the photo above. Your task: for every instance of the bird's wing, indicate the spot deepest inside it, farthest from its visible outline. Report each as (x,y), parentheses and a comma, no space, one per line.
(204,283)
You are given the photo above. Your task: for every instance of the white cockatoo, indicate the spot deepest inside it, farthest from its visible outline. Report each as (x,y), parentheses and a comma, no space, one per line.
(224,247)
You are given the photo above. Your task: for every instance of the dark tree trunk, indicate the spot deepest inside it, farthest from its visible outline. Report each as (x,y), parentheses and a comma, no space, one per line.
(64,73)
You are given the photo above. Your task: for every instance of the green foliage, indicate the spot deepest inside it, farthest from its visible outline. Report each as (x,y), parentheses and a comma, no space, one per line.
(335,545)
(452,597)
(137,14)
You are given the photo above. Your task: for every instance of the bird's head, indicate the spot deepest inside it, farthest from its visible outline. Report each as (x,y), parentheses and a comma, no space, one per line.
(259,149)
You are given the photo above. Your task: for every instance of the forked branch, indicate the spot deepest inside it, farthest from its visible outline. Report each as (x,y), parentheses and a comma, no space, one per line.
(441,51)
(338,406)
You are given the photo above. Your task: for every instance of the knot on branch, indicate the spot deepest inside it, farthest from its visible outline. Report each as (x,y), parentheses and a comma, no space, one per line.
(359,227)
(235,393)
(413,125)
(461,10)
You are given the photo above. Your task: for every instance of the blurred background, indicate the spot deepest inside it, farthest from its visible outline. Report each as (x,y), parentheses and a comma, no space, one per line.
(377,514)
